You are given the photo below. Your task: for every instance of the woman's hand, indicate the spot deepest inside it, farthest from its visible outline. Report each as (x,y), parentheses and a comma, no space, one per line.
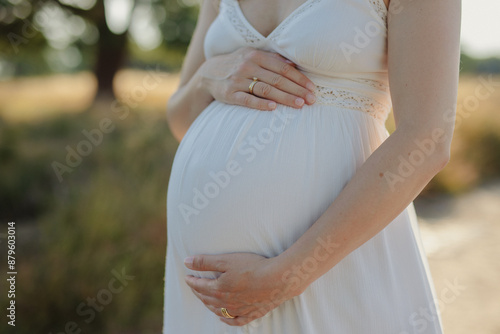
(227,78)
(249,287)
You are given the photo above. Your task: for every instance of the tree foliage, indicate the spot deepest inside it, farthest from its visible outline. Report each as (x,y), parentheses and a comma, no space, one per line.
(69,35)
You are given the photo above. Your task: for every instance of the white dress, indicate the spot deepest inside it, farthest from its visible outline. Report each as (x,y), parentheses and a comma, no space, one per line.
(245,180)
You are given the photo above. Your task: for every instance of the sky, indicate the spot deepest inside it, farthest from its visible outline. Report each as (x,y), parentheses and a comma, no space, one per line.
(481,28)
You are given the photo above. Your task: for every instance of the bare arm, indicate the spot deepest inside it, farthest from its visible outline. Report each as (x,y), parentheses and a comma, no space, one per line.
(423,61)
(226,78)
(190,98)
(423,56)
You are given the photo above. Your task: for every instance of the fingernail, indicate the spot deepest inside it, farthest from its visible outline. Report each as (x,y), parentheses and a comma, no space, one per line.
(299,101)
(311,98)
(189,260)
(272,105)
(310,86)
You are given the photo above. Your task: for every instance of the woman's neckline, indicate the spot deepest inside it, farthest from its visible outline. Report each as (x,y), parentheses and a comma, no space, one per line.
(278,27)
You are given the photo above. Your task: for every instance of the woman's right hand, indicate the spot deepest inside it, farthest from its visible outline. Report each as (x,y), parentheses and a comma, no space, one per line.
(228,77)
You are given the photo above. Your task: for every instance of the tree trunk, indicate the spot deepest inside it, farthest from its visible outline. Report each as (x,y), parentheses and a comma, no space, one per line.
(111,51)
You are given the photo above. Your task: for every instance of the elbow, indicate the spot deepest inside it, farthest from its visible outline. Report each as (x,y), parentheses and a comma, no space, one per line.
(172,124)
(429,149)
(168,115)
(442,157)
(431,164)
(439,158)
(442,137)
(168,109)
(175,130)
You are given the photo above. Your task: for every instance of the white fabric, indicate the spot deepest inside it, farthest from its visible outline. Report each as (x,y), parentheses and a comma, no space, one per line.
(245,180)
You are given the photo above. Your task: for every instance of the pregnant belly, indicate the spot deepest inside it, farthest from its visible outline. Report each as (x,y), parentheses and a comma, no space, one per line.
(245,180)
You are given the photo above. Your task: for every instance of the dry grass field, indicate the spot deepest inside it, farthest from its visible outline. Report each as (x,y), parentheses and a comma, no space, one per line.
(459,211)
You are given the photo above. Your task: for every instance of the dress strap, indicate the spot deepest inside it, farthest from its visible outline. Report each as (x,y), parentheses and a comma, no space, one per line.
(232,14)
(380,7)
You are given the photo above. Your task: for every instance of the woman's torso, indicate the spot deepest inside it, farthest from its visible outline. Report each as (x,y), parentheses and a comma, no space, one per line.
(245,180)
(346,52)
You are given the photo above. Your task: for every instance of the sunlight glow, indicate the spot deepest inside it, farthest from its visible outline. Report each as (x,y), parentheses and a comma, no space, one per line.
(118,13)
(481,27)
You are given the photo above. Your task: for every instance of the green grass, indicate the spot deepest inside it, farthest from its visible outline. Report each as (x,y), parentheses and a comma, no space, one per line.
(110,211)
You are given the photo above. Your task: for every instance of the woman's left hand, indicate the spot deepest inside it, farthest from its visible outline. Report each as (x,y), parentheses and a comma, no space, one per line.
(249,285)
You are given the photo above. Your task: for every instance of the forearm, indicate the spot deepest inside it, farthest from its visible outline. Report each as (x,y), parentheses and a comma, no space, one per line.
(423,61)
(186,104)
(369,202)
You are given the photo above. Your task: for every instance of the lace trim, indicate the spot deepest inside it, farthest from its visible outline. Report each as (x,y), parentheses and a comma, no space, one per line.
(380,8)
(252,38)
(351,100)
(289,19)
(238,24)
(241,25)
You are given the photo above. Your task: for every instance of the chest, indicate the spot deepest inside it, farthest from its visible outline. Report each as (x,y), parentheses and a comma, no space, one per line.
(265,15)
(324,36)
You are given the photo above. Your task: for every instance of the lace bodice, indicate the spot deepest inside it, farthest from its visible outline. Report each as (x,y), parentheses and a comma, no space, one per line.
(346,58)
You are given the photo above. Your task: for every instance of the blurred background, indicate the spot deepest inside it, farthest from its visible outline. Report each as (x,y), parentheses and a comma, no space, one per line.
(85,156)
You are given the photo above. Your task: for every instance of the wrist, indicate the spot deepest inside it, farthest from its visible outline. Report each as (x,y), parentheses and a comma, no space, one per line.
(289,279)
(201,83)
(306,261)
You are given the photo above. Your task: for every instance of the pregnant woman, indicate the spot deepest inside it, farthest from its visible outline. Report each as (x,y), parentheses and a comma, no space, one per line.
(289,205)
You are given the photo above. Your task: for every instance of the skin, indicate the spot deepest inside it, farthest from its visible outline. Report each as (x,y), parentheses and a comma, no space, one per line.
(226,78)
(423,61)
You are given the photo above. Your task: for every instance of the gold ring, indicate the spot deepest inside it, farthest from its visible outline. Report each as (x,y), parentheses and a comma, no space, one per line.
(252,84)
(226,314)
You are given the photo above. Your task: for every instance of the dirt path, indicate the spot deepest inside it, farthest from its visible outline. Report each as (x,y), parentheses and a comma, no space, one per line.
(462,239)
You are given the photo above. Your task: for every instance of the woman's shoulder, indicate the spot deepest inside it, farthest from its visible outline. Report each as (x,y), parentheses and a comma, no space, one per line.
(215,4)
